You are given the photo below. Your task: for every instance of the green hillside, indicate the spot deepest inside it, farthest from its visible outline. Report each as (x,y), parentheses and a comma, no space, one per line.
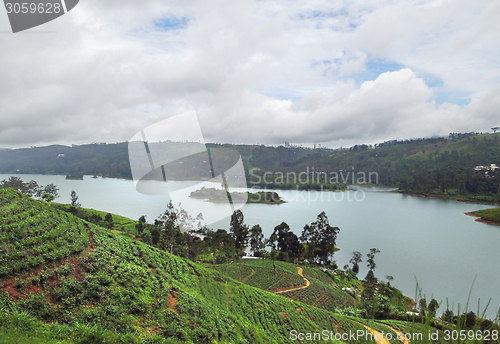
(105,285)
(338,293)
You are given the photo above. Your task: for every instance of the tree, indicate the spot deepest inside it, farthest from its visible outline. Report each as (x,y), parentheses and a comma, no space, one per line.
(155,235)
(74,199)
(239,230)
(286,242)
(140,226)
(371,258)
(422,306)
(369,301)
(147,239)
(256,240)
(47,197)
(355,260)
(51,189)
(320,239)
(433,307)
(470,320)
(448,315)
(389,280)
(109,220)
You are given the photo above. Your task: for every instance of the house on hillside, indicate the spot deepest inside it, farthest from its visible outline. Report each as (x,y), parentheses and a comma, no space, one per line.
(486,169)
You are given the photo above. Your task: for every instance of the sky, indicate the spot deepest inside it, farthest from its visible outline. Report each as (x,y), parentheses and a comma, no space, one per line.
(335,73)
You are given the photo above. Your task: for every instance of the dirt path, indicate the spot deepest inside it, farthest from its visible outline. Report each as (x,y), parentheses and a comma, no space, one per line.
(379,339)
(382,340)
(299,270)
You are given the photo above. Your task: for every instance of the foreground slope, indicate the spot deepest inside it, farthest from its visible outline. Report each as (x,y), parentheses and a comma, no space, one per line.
(61,270)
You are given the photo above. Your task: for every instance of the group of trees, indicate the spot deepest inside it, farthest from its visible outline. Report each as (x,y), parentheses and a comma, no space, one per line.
(46,193)
(316,244)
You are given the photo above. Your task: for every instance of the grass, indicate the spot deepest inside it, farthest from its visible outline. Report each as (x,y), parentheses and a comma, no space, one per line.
(490,215)
(264,274)
(120,223)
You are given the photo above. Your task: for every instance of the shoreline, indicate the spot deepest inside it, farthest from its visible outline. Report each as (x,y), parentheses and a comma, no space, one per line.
(445,198)
(481,220)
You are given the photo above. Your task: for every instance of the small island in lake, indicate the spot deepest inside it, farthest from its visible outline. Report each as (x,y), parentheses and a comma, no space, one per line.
(75,176)
(220,196)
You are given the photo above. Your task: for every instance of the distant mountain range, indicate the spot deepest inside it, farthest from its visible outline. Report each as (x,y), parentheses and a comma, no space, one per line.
(440,167)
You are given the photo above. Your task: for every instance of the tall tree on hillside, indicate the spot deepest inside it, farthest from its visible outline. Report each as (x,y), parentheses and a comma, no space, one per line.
(256,240)
(109,220)
(51,189)
(239,230)
(371,258)
(74,199)
(320,239)
(285,241)
(369,301)
(355,260)
(141,225)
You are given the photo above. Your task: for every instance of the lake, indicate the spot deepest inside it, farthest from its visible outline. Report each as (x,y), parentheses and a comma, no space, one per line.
(429,240)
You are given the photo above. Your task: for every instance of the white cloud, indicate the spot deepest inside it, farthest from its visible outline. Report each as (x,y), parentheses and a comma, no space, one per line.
(264,71)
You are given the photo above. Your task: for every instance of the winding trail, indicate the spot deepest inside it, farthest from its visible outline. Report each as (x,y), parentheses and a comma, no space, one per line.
(308,283)
(379,338)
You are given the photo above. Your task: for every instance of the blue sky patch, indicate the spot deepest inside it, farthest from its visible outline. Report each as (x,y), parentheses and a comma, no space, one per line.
(379,66)
(171,23)
(460,98)
(374,68)
(320,14)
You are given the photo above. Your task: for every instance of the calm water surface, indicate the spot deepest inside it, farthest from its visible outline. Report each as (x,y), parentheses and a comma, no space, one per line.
(430,240)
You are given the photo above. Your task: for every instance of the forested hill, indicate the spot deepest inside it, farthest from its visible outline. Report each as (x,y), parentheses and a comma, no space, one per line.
(110,160)
(443,167)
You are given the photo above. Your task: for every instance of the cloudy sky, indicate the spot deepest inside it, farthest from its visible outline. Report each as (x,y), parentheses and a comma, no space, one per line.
(331,72)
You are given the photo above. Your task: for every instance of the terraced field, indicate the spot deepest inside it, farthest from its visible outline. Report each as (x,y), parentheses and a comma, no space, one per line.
(270,275)
(32,234)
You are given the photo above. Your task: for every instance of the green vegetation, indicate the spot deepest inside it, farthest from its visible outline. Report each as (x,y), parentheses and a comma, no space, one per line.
(66,280)
(118,223)
(265,274)
(32,234)
(31,188)
(122,288)
(75,176)
(221,196)
(487,215)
